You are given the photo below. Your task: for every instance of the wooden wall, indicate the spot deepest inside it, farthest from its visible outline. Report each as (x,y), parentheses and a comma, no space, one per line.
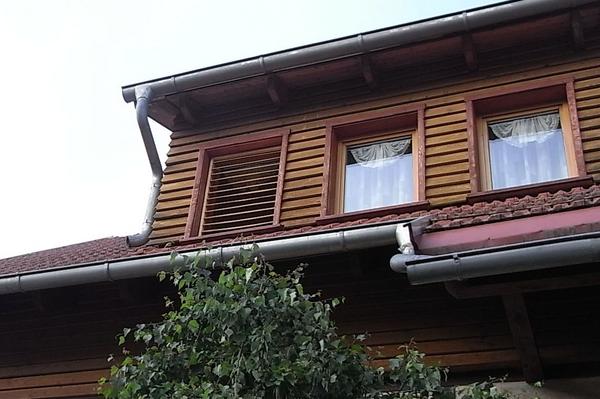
(447,168)
(54,348)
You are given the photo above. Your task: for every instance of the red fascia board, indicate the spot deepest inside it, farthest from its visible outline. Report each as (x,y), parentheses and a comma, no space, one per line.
(510,231)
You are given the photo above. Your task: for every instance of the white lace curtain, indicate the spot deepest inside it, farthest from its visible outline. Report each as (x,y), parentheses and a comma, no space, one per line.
(520,132)
(369,155)
(526,151)
(381,176)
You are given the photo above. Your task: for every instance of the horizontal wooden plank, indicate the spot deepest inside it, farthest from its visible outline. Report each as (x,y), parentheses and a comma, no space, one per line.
(445,129)
(444,109)
(301,213)
(446,139)
(445,119)
(170,214)
(591,145)
(304,145)
(447,199)
(175,195)
(170,232)
(447,180)
(304,173)
(448,189)
(306,135)
(72,378)
(297,156)
(180,176)
(447,169)
(446,149)
(174,204)
(176,186)
(298,222)
(306,163)
(169,223)
(303,183)
(446,159)
(586,94)
(301,203)
(67,391)
(302,193)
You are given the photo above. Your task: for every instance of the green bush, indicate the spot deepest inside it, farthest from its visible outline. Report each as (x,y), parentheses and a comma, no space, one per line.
(245,331)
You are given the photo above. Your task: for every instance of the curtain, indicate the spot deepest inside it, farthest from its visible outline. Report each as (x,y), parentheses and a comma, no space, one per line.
(520,132)
(526,151)
(378,174)
(373,155)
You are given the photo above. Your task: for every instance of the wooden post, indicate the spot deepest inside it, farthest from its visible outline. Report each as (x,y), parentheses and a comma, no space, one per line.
(524,340)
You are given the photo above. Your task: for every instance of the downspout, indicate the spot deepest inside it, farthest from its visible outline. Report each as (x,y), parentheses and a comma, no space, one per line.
(143,96)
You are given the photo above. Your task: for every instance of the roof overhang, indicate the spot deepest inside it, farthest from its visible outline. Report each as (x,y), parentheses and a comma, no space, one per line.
(267,82)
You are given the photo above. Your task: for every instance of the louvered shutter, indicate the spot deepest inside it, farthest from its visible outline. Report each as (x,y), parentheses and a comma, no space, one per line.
(241,191)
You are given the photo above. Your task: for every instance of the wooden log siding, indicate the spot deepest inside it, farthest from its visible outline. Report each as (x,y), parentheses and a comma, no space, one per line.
(446,149)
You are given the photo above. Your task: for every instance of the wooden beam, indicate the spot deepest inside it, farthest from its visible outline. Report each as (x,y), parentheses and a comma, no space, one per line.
(277,91)
(464,290)
(367,72)
(187,108)
(523,338)
(577,30)
(469,51)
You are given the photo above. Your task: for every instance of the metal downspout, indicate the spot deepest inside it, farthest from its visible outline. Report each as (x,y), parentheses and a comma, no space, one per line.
(143,97)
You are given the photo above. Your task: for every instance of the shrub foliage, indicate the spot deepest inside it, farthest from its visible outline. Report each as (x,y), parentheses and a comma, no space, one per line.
(244,331)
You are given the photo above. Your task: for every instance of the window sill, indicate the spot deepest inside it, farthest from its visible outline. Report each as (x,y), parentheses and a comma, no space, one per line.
(372,213)
(530,189)
(248,233)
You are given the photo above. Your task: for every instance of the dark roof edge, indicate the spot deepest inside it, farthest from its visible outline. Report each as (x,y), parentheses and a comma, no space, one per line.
(361,43)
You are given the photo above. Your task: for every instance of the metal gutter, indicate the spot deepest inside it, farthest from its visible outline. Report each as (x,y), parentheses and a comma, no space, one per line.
(277,249)
(360,44)
(534,255)
(143,97)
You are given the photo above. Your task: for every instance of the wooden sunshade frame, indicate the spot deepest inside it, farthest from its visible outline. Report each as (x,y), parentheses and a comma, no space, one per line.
(228,146)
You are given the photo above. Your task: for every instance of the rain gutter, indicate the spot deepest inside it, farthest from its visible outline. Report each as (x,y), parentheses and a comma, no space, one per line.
(515,258)
(360,44)
(273,250)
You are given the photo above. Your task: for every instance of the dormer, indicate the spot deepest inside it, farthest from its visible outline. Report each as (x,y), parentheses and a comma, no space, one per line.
(474,106)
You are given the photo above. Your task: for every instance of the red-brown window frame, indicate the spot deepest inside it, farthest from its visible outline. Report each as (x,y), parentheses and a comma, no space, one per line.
(512,98)
(366,124)
(227,146)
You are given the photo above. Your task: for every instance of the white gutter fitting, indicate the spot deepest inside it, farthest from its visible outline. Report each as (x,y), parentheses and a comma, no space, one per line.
(405,235)
(143,97)
(278,249)
(360,44)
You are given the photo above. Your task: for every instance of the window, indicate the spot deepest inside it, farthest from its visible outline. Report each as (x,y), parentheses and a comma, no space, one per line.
(526,148)
(527,136)
(372,161)
(238,186)
(377,173)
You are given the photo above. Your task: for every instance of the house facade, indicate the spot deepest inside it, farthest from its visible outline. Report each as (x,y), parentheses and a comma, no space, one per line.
(441,175)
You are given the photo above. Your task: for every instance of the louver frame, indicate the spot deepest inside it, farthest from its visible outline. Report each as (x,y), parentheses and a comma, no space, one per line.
(235,147)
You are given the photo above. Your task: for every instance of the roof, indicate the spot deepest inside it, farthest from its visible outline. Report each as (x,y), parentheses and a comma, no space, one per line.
(230,91)
(452,217)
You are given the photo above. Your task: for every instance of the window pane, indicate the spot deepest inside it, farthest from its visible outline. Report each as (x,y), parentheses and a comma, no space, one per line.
(378,174)
(527,150)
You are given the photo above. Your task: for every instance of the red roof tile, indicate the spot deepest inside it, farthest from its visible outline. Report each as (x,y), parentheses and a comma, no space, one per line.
(441,219)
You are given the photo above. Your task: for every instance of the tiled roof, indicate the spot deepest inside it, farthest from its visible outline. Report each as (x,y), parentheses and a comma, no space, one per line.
(442,219)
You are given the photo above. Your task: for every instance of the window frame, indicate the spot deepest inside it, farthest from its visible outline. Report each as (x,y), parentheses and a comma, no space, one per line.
(231,146)
(343,154)
(524,99)
(365,127)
